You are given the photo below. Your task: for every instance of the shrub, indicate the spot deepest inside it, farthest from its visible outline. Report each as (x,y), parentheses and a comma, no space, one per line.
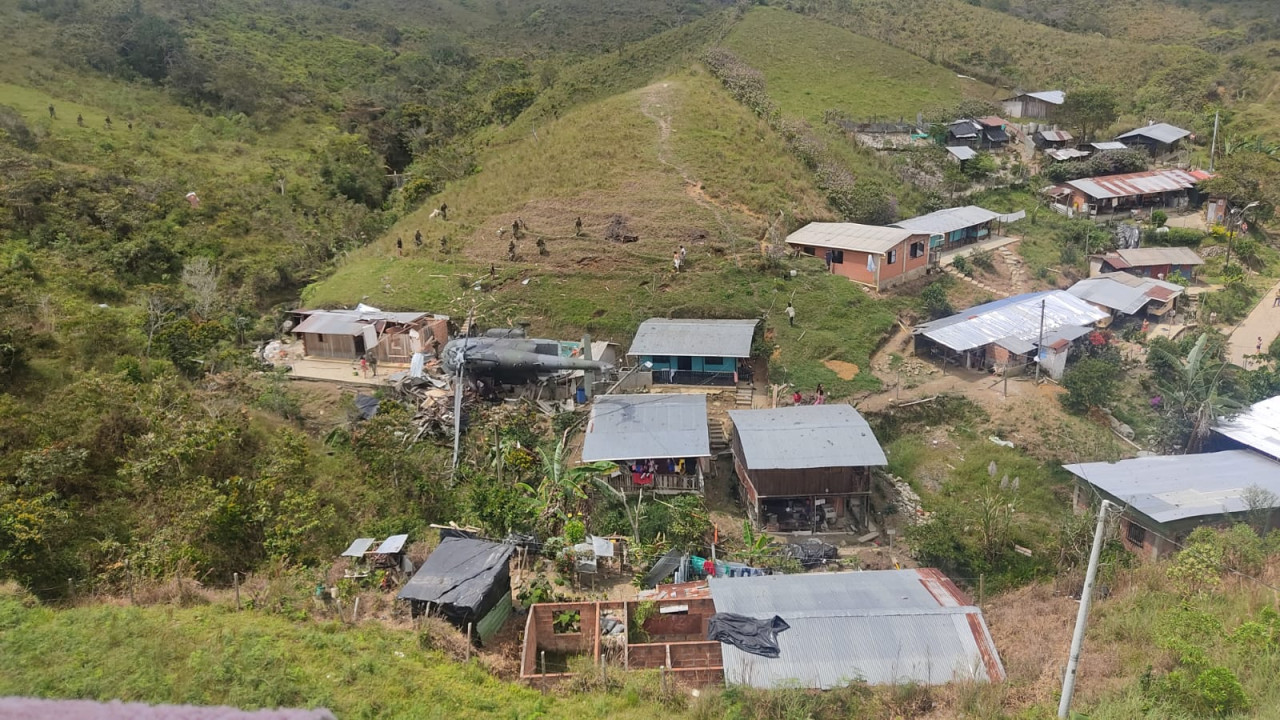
(937,305)
(961,265)
(983,260)
(1089,383)
(1159,218)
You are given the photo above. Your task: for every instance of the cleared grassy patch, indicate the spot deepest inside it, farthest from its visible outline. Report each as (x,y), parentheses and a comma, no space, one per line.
(811,67)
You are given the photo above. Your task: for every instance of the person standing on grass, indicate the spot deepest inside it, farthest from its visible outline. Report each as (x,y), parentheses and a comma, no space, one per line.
(53,114)
(417,238)
(444,211)
(683,254)
(577,227)
(820,395)
(675,260)
(791,315)
(399,246)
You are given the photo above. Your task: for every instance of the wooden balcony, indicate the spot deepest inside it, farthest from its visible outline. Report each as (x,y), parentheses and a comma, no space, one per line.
(663,484)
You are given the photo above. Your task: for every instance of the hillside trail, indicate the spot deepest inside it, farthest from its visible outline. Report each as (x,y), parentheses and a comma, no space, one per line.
(656,103)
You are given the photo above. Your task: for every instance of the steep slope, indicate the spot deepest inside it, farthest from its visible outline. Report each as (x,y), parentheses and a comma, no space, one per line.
(812,67)
(676,163)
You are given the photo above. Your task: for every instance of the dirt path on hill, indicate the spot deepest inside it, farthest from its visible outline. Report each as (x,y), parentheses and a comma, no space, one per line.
(656,103)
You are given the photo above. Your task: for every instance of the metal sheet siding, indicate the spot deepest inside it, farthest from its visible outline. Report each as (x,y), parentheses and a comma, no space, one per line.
(806,436)
(691,338)
(881,627)
(639,427)
(1168,488)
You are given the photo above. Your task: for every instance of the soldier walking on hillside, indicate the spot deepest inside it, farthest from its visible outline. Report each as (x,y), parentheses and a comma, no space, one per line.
(515,229)
(577,227)
(444,244)
(399,247)
(80,119)
(106,122)
(53,114)
(791,315)
(511,251)
(444,211)
(542,247)
(417,238)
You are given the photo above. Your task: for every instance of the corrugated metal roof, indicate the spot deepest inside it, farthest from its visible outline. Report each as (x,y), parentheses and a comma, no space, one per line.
(849,236)
(1014,317)
(942,222)
(1109,145)
(639,427)
(1258,427)
(886,626)
(349,322)
(1149,256)
(965,128)
(1130,184)
(963,152)
(1124,292)
(458,571)
(806,436)
(1067,154)
(1160,132)
(992,121)
(392,545)
(694,338)
(1168,488)
(358,547)
(1056,135)
(1053,97)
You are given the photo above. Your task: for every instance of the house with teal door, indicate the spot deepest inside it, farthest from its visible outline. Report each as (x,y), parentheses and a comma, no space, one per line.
(954,227)
(695,352)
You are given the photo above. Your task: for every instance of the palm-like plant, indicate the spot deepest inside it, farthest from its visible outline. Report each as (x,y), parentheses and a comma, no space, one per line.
(1191,395)
(562,486)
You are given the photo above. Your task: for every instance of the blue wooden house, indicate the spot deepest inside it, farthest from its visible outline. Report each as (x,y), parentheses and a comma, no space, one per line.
(695,352)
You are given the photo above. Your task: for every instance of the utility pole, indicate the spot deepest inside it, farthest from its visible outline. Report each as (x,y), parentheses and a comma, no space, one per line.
(1039,342)
(1086,596)
(1213,148)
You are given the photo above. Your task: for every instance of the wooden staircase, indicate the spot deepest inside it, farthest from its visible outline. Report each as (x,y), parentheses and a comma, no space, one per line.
(719,435)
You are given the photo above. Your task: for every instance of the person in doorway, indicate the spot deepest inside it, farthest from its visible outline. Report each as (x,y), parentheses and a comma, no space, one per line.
(820,395)
(829,257)
(791,315)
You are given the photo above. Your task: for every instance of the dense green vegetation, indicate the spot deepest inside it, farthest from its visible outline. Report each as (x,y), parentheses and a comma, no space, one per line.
(141,448)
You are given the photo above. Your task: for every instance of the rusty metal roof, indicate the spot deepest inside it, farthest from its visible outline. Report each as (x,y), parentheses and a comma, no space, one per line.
(882,627)
(1131,184)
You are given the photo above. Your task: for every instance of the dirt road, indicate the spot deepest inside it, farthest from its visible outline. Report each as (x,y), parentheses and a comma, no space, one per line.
(1263,322)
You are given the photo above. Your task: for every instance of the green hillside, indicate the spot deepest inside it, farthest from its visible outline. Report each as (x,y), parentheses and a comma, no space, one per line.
(812,67)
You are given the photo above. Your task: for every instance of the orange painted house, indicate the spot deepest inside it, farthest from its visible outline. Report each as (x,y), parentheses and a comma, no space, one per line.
(879,257)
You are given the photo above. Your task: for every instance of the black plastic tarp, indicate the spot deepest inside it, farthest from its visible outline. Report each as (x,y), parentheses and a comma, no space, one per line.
(748,634)
(462,580)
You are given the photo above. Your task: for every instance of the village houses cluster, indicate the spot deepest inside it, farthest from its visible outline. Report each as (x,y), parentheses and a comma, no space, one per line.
(682,406)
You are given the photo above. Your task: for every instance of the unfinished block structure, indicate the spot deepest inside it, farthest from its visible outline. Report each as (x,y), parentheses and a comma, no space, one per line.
(622,635)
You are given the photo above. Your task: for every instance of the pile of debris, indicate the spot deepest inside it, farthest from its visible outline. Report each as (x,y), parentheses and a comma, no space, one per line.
(898,492)
(811,553)
(431,400)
